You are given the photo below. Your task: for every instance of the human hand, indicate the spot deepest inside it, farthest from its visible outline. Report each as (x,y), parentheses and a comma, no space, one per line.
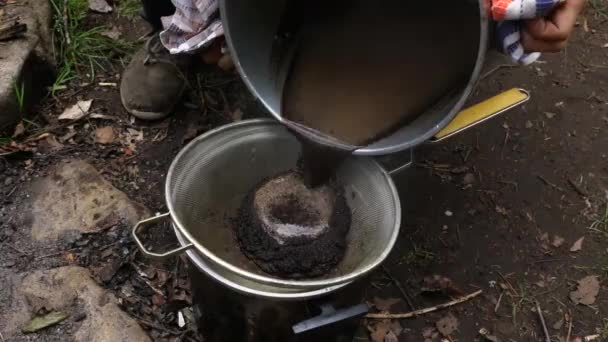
(551,34)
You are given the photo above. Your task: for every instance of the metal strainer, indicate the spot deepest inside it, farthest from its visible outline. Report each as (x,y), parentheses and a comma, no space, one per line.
(209,178)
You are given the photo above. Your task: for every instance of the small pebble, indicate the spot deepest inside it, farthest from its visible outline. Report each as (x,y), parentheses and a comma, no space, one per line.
(449,213)
(8,181)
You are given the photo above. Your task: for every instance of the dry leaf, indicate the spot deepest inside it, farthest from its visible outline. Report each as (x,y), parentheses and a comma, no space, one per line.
(486,334)
(385,304)
(578,245)
(469,178)
(447,325)
(379,329)
(53,144)
(104,135)
(550,115)
(586,292)
(100,6)
(19,130)
(501,210)
(558,241)
(112,33)
(391,337)
(77,111)
(396,327)
(438,283)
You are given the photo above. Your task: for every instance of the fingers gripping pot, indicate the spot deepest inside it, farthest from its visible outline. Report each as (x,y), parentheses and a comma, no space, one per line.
(209,178)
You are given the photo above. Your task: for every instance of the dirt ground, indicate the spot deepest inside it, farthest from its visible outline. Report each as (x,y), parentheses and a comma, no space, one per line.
(497,208)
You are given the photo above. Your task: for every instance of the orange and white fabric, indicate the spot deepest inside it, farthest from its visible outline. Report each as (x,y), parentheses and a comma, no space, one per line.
(509,15)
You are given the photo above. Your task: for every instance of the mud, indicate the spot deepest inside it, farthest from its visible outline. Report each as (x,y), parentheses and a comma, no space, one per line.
(302,254)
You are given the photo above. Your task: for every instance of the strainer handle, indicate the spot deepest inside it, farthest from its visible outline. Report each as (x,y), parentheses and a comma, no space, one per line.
(142,224)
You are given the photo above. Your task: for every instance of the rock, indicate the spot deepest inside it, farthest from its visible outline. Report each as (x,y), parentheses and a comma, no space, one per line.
(75,197)
(72,291)
(26,61)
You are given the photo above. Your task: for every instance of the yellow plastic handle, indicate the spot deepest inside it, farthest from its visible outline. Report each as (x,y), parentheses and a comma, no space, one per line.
(483,111)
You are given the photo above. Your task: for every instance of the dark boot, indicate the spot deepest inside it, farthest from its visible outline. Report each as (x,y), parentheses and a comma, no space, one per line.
(153,10)
(153,83)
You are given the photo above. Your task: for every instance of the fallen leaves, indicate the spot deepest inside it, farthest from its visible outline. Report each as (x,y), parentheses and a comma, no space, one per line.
(447,325)
(587,290)
(105,135)
(19,130)
(100,6)
(77,111)
(41,322)
(557,241)
(578,245)
(385,304)
(379,329)
(438,283)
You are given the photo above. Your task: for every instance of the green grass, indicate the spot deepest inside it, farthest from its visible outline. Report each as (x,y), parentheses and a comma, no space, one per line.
(600,224)
(128,8)
(604,330)
(600,8)
(20,95)
(80,50)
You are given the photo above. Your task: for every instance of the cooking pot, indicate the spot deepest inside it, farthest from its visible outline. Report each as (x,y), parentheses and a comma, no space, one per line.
(251,26)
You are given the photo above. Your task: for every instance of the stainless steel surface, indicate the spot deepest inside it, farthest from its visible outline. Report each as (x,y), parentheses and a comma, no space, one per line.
(142,224)
(209,177)
(250,28)
(248,287)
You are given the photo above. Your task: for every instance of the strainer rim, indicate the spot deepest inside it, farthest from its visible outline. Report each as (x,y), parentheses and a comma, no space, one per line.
(269,280)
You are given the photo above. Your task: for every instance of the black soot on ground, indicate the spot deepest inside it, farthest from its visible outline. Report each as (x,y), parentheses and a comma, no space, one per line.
(292,231)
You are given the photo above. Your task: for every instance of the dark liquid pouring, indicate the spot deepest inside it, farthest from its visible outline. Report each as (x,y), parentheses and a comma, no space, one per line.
(365,68)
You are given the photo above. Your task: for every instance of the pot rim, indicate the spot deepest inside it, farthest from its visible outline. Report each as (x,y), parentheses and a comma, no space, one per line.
(198,261)
(268,280)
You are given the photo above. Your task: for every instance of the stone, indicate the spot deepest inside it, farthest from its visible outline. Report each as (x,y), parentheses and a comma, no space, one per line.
(25,61)
(75,197)
(94,315)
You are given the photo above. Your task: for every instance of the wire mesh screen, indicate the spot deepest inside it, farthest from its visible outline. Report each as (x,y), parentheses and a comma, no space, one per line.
(210,178)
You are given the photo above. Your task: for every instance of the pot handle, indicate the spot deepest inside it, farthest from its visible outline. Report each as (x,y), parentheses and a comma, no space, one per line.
(142,224)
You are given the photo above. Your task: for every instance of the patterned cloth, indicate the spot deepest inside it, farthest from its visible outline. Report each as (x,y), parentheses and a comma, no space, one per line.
(508,14)
(196,24)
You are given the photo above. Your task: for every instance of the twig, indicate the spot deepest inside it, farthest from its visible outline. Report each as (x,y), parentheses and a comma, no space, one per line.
(569,326)
(406,296)
(1,337)
(425,310)
(498,302)
(549,183)
(542,321)
(511,288)
(68,40)
(498,67)
(577,188)
(17,250)
(156,326)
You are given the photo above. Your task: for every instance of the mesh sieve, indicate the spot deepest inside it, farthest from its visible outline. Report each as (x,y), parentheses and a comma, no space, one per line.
(209,178)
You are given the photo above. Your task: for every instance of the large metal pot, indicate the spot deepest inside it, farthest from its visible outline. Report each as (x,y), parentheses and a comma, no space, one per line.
(250,27)
(209,178)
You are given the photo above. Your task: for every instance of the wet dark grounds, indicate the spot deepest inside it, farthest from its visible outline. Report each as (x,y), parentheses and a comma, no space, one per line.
(300,255)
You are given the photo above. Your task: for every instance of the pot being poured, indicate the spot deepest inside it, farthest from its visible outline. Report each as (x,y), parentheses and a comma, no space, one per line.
(367,77)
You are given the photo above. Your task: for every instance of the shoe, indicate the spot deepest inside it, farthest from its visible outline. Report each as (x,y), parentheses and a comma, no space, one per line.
(153,82)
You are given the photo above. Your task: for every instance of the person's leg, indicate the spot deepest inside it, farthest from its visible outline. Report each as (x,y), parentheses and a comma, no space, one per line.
(153,10)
